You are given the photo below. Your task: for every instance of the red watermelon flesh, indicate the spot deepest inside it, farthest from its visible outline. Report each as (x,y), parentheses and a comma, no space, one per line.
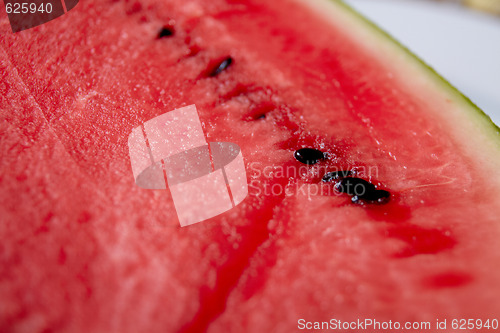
(86,250)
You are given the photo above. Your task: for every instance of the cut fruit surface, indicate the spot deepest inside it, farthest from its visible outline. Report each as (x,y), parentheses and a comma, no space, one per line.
(86,250)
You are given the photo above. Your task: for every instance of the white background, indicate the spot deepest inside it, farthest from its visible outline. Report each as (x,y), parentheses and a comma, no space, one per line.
(461,44)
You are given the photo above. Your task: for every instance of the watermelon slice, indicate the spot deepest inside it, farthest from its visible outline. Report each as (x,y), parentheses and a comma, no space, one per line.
(86,250)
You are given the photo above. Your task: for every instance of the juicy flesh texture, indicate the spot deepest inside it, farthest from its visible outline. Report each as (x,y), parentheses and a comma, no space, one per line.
(84,249)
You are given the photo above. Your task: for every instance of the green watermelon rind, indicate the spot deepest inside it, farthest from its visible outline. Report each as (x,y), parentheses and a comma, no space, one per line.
(431,72)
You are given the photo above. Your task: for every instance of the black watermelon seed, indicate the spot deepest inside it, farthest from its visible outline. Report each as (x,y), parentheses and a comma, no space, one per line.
(355,186)
(336,175)
(360,189)
(165,31)
(309,155)
(380,196)
(223,65)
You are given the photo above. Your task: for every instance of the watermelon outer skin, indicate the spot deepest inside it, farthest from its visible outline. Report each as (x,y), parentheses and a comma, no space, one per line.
(86,250)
